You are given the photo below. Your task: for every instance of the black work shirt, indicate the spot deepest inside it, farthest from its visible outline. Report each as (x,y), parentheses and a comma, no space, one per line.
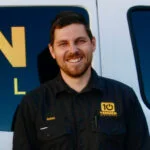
(106,115)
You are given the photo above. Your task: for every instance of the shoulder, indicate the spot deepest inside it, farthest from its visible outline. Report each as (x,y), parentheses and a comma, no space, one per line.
(38,94)
(113,83)
(111,86)
(115,86)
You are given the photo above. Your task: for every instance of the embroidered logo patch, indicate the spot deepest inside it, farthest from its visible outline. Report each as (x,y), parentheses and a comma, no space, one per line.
(108,109)
(50,118)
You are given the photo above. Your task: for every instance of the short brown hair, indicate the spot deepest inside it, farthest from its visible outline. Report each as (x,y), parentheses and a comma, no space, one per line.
(66,18)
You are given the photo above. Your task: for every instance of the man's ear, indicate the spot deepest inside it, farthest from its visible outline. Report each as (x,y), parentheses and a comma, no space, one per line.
(94,43)
(51,50)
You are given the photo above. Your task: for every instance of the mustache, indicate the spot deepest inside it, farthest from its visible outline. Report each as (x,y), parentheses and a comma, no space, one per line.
(72,55)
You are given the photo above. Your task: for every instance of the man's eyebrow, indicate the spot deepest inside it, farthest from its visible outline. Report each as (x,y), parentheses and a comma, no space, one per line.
(81,37)
(61,41)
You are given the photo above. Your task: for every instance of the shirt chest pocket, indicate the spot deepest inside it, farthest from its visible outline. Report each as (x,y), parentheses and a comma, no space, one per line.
(110,133)
(54,134)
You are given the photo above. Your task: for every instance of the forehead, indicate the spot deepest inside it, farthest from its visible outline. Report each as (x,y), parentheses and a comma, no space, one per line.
(70,32)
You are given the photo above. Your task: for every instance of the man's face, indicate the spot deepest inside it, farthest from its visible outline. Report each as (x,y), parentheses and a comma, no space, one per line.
(72,50)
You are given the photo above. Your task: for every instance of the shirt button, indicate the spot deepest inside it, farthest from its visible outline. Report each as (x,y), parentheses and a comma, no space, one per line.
(81,144)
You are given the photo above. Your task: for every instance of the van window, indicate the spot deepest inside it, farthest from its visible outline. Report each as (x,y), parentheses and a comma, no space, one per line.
(139,24)
(25,62)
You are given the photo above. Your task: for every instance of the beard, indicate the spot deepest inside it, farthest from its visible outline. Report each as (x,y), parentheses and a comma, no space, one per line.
(75,70)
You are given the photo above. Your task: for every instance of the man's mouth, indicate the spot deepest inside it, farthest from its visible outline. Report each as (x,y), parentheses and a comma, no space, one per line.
(75,60)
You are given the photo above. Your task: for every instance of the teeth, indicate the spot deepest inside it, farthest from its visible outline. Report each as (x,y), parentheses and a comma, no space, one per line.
(74,60)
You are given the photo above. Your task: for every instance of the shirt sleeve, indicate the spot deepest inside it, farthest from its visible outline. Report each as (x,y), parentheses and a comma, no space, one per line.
(24,130)
(137,129)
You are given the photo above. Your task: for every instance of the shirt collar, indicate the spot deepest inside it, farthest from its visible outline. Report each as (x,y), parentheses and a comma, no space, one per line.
(95,82)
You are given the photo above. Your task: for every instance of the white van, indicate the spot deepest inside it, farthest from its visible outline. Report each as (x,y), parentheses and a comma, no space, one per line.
(122,30)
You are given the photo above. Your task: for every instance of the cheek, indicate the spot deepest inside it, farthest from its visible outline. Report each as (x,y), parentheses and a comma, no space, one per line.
(59,56)
(88,50)
(55,53)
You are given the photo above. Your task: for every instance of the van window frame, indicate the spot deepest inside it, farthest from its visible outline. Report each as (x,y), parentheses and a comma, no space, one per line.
(136,51)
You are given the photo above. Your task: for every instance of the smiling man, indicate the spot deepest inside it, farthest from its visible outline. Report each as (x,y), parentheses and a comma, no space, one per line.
(73,50)
(78,110)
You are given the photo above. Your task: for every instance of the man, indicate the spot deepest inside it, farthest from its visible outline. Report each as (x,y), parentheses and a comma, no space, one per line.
(78,110)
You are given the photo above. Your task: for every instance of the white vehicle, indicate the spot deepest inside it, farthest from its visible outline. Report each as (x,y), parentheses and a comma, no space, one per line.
(121,28)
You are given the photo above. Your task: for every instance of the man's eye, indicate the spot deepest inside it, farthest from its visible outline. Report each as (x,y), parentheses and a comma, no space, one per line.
(63,44)
(81,41)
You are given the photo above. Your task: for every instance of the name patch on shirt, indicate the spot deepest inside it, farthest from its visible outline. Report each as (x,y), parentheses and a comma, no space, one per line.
(108,109)
(50,118)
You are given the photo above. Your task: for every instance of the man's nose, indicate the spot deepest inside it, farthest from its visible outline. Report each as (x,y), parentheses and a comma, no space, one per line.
(73,48)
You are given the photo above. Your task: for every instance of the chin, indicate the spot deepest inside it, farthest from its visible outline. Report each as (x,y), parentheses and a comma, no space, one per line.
(77,73)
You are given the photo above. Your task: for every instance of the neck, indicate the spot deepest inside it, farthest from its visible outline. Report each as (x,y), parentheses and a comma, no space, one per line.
(77,83)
